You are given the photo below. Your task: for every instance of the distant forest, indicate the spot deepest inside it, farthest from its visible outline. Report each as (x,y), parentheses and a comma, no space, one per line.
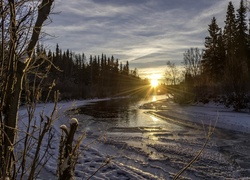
(77,76)
(222,69)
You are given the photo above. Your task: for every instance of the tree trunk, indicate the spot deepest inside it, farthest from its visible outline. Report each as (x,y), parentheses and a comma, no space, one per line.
(17,68)
(11,119)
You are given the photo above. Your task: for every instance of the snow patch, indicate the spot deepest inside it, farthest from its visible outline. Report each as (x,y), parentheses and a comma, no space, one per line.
(74,121)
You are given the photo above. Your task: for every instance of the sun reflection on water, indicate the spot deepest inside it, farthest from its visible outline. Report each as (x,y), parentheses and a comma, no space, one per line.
(153,98)
(154,118)
(153,137)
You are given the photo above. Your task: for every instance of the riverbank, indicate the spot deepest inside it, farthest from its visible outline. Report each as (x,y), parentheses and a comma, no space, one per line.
(208,114)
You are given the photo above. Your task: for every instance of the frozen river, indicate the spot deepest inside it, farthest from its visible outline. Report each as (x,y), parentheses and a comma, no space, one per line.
(143,145)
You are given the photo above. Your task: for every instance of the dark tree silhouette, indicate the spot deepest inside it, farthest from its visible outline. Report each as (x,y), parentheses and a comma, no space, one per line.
(214,54)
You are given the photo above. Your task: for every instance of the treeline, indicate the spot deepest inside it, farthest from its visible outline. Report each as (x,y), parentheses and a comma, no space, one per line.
(223,67)
(76,76)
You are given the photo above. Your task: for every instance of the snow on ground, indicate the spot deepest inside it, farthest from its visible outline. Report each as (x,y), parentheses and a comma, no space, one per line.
(152,153)
(209,114)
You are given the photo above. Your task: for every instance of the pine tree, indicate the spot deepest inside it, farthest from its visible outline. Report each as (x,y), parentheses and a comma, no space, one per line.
(242,36)
(236,73)
(229,40)
(213,59)
(221,55)
(230,33)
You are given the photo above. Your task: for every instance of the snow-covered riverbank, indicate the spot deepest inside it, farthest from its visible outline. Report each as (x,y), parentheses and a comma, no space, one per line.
(208,114)
(156,152)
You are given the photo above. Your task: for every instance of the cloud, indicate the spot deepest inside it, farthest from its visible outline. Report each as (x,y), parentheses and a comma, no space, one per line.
(143,32)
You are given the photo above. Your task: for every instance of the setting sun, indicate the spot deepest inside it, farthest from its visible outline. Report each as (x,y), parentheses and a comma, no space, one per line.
(154,82)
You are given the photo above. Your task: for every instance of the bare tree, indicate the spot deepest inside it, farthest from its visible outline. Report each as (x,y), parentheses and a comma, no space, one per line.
(172,74)
(192,62)
(21,27)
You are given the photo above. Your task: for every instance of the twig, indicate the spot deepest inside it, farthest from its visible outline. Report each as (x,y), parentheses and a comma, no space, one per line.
(199,153)
(106,163)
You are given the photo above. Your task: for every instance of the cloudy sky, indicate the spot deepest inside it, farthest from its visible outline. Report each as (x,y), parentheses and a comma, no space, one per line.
(147,33)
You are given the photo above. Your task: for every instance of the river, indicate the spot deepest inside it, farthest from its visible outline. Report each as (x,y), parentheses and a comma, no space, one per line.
(128,131)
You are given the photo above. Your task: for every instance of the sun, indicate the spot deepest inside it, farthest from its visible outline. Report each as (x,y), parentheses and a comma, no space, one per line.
(154,83)
(154,80)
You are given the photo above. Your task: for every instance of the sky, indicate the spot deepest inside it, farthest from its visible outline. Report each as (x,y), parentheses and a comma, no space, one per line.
(147,33)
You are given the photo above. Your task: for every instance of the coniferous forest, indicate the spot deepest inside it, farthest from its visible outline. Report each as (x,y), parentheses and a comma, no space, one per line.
(221,70)
(76,76)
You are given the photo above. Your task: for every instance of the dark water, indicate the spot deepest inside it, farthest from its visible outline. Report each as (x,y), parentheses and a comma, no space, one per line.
(127,112)
(115,108)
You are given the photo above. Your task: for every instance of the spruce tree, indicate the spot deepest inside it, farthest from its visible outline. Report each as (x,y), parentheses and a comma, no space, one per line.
(230,33)
(229,40)
(213,60)
(236,76)
(242,36)
(221,55)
